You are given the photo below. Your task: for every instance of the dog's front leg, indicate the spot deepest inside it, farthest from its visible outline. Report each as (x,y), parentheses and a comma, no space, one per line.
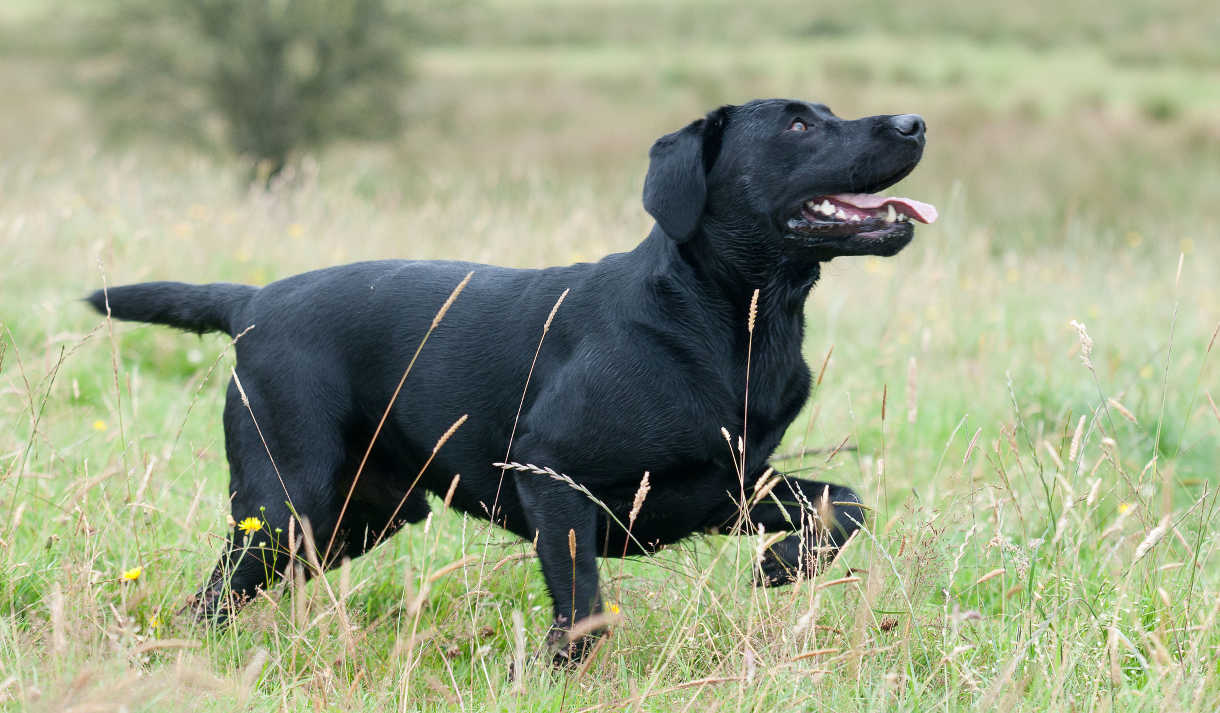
(821,515)
(564,521)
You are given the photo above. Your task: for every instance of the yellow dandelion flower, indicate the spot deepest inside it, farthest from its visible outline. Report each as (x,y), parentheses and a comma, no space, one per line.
(132,574)
(99,425)
(154,622)
(612,608)
(250,524)
(1123,508)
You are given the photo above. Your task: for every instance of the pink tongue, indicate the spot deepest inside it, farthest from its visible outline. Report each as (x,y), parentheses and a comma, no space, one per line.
(923,212)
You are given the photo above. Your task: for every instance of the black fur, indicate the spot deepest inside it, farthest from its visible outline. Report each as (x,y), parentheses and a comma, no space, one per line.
(643,365)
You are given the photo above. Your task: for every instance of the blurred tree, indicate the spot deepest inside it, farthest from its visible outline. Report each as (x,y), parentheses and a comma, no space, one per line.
(267,77)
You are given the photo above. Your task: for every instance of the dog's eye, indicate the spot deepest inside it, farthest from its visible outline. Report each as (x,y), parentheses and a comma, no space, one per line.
(797,125)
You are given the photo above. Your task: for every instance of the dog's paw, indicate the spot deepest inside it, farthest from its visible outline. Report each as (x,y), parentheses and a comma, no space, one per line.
(784,563)
(800,556)
(570,647)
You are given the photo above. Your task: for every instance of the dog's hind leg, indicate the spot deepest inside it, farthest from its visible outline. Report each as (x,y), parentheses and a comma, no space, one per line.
(379,507)
(282,481)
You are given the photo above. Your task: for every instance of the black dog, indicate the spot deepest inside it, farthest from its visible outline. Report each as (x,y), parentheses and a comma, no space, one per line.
(644,364)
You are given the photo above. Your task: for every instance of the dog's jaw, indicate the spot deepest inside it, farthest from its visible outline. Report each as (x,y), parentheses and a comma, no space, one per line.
(855,224)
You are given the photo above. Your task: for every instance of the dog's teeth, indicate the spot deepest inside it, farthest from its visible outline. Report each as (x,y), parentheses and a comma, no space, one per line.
(902,218)
(827,208)
(793,223)
(890,214)
(854,218)
(840,214)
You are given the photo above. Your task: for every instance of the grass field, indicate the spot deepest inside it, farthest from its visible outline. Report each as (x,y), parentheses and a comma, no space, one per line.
(1045,534)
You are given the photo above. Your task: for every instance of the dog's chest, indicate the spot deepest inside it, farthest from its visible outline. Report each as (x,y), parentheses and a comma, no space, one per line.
(772,393)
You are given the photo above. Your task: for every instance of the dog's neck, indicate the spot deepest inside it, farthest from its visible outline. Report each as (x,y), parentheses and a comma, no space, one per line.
(728,282)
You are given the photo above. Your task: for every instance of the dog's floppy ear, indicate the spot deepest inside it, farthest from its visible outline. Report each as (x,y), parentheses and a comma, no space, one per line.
(675,188)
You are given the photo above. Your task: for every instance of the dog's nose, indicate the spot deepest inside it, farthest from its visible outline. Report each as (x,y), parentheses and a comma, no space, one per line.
(909,125)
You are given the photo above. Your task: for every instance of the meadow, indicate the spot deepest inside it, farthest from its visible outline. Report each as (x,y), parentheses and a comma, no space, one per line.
(1026,396)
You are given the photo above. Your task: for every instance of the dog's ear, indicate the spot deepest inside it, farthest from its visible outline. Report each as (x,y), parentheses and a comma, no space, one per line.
(675,188)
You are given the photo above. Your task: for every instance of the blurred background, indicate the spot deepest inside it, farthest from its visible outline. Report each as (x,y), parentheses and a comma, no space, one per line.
(1073,151)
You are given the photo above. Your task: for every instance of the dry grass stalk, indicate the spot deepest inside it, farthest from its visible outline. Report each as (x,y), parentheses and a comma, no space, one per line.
(452,566)
(114,364)
(852,579)
(1086,343)
(250,674)
(515,557)
(766,483)
(310,548)
(440,442)
(207,377)
(1054,456)
(970,448)
(1155,535)
(814,653)
(296,575)
(452,489)
(1094,490)
(1126,413)
(835,451)
(638,502)
(512,434)
(148,470)
(245,400)
(1077,435)
(728,439)
(59,635)
(753,312)
(449,433)
(440,313)
(546,326)
(561,477)
(989,576)
(593,623)
(163,644)
(1116,669)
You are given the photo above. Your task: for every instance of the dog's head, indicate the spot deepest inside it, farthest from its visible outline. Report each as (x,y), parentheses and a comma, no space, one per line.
(778,179)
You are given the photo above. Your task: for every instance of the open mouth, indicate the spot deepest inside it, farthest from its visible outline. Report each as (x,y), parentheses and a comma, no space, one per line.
(859,222)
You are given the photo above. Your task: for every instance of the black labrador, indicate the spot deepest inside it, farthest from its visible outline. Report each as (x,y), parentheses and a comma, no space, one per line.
(643,369)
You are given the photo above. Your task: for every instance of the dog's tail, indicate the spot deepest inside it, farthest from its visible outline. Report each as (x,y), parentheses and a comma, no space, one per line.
(195,308)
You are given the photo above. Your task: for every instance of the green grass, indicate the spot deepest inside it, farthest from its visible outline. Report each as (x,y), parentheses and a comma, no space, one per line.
(1075,156)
